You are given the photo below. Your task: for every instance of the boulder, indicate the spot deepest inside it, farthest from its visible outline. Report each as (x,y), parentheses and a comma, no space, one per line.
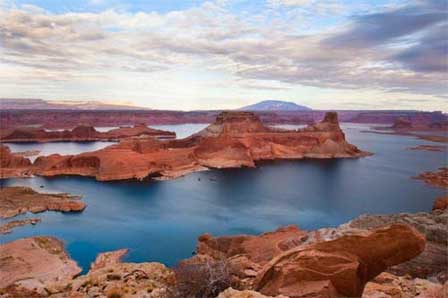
(343,265)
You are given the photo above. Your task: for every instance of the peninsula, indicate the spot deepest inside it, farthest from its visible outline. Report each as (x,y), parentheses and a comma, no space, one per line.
(235,139)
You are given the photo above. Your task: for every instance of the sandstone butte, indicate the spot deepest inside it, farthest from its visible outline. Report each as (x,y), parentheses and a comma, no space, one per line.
(12,165)
(18,200)
(80,134)
(235,139)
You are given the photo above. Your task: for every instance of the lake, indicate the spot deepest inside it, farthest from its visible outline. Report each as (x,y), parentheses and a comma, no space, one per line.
(161,220)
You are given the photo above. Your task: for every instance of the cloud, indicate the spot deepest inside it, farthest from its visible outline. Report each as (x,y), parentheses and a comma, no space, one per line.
(402,49)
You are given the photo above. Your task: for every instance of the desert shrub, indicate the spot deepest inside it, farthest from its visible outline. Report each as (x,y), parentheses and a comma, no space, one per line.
(201,280)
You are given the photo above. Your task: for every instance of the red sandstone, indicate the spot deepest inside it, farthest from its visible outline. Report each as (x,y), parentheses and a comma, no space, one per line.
(81,134)
(235,139)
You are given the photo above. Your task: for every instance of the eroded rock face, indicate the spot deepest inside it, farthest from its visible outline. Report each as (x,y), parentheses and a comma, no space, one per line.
(18,199)
(12,165)
(440,203)
(82,134)
(34,264)
(116,279)
(259,249)
(387,285)
(39,267)
(343,265)
(235,139)
(9,226)
(432,263)
(231,293)
(295,263)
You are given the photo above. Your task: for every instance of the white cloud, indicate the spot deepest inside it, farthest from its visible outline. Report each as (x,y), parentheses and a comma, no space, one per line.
(262,53)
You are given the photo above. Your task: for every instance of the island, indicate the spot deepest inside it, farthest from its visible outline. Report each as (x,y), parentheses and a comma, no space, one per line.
(80,134)
(235,139)
(15,200)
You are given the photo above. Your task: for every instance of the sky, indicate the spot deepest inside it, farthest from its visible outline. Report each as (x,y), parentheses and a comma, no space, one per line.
(224,54)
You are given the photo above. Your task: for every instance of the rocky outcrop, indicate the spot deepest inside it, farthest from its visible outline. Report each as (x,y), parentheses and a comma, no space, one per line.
(116,279)
(34,265)
(39,267)
(340,266)
(7,227)
(403,124)
(18,200)
(293,263)
(432,263)
(438,179)
(81,134)
(235,139)
(284,263)
(387,285)
(12,165)
(440,204)
(231,293)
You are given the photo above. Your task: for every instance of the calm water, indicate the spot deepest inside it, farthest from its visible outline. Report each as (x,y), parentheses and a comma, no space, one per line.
(161,220)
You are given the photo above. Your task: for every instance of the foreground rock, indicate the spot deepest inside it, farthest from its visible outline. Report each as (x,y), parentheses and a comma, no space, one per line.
(387,285)
(39,267)
(81,134)
(109,277)
(281,264)
(440,204)
(7,227)
(34,264)
(231,293)
(341,266)
(12,165)
(432,263)
(438,179)
(235,139)
(17,200)
(286,262)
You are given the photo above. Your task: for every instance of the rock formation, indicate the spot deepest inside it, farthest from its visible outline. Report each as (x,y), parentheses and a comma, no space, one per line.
(39,267)
(232,293)
(403,124)
(109,277)
(81,134)
(33,265)
(440,203)
(7,227)
(432,263)
(438,179)
(12,165)
(286,262)
(341,266)
(18,200)
(387,285)
(235,139)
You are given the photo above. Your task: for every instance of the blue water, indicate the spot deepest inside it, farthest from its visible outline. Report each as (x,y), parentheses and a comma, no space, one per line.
(161,220)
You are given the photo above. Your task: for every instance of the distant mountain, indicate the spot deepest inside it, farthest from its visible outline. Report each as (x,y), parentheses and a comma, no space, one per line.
(40,104)
(275,105)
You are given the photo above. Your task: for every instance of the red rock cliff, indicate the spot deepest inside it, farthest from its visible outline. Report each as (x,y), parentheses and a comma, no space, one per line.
(235,139)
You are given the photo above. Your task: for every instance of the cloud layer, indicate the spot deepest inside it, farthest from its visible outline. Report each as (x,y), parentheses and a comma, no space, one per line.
(398,49)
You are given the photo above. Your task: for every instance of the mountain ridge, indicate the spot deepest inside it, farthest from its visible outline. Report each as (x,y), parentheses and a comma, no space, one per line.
(41,104)
(275,105)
